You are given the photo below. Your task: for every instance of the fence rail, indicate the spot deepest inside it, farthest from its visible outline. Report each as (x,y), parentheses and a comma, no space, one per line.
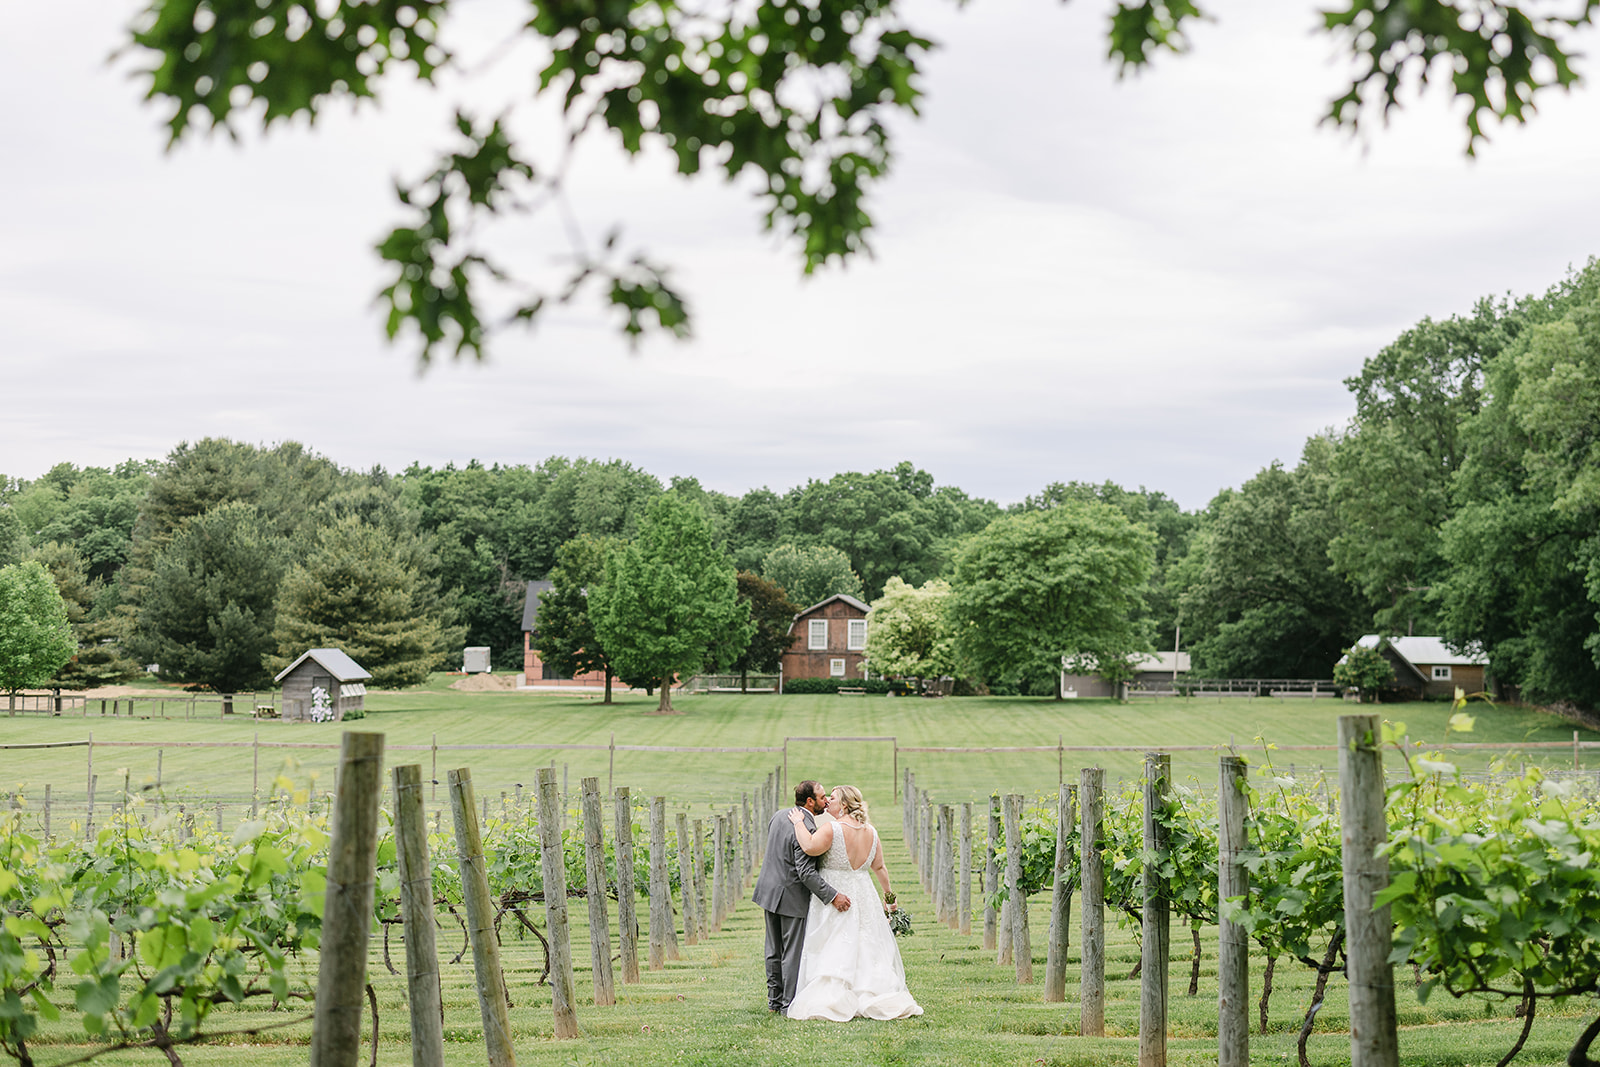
(1236,687)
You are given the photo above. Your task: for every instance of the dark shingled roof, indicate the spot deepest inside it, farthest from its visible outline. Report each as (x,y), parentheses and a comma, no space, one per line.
(530,607)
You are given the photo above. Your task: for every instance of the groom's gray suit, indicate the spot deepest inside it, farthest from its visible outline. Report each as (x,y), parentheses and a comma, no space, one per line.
(788,881)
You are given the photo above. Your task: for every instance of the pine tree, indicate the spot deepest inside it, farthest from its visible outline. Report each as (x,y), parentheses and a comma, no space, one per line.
(361,590)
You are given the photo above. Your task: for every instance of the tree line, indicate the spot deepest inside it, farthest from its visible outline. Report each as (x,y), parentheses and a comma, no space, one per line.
(1460,500)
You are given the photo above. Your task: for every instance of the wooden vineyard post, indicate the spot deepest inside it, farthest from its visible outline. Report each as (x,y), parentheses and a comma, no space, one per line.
(1092,880)
(594,869)
(660,886)
(489,978)
(1374,1039)
(719,871)
(749,844)
(691,927)
(948,866)
(927,834)
(1021,947)
(347,907)
(1233,941)
(964,899)
(991,879)
(700,919)
(1157,918)
(416,910)
(936,867)
(554,869)
(1059,937)
(627,919)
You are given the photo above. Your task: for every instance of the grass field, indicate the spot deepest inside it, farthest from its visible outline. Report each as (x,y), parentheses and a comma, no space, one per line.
(447,717)
(708,1008)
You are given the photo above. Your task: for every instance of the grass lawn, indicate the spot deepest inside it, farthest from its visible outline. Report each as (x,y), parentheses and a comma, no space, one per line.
(709,1008)
(437,714)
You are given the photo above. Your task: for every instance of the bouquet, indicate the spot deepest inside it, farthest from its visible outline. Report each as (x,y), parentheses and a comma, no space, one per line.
(899,921)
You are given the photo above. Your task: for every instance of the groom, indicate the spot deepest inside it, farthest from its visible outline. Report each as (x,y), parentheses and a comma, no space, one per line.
(788,875)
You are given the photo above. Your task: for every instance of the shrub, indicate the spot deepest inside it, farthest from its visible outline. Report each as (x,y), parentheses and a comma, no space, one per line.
(879,686)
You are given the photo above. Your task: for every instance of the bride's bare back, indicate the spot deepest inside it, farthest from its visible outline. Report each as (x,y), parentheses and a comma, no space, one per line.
(857,840)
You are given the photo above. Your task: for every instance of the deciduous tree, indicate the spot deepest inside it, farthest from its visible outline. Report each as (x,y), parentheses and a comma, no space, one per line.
(668,596)
(1364,669)
(909,634)
(566,637)
(772,613)
(1035,587)
(35,636)
(810,574)
(800,108)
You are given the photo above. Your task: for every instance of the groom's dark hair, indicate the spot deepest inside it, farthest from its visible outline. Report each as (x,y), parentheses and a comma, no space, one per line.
(804,792)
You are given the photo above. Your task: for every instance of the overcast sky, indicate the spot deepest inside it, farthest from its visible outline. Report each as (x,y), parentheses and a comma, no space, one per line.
(1161,280)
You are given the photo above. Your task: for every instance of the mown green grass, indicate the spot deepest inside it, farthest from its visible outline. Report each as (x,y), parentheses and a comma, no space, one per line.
(447,717)
(709,1010)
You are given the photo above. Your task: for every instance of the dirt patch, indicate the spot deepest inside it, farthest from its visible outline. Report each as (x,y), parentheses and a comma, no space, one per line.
(487,683)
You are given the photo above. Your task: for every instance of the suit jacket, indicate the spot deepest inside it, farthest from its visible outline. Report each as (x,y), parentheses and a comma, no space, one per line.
(789,877)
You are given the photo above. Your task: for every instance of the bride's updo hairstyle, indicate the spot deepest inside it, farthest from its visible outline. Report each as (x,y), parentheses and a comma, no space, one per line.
(854,806)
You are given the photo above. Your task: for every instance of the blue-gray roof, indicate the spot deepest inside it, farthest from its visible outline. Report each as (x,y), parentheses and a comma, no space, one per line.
(332,660)
(530,607)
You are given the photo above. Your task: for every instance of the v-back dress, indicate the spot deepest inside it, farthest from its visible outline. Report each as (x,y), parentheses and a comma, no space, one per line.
(849,964)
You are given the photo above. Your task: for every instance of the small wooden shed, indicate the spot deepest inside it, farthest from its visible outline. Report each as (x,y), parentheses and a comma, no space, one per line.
(321,686)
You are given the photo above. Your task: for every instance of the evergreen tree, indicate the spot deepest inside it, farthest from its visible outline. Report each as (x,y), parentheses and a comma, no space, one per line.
(98,659)
(667,597)
(207,616)
(35,636)
(358,591)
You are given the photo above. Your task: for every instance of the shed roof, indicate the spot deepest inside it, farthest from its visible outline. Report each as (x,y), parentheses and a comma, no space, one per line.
(1427,651)
(334,661)
(530,606)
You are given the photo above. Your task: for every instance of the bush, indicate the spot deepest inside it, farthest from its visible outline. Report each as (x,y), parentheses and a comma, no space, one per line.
(879,686)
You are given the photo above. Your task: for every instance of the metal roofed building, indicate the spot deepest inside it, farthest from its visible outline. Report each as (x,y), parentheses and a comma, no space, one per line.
(1427,667)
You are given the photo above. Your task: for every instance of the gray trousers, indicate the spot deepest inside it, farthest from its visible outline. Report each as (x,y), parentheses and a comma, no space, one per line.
(785,936)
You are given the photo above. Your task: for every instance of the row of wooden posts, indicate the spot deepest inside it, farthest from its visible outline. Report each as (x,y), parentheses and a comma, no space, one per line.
(737,847)
(940,838)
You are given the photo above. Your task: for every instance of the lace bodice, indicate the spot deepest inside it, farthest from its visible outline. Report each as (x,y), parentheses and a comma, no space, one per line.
(838,859)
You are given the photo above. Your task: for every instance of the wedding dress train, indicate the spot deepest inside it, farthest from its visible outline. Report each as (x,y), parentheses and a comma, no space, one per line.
(850,965)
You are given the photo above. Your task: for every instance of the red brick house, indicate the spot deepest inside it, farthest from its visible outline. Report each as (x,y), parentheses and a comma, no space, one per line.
(828,640)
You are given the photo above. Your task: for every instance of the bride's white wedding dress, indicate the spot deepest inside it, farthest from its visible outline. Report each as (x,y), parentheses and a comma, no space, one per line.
(849,964)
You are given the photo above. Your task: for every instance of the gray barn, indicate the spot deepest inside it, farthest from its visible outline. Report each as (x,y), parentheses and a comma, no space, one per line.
(339,677)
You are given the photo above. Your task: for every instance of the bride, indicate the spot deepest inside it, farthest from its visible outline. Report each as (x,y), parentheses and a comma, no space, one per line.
(849,963)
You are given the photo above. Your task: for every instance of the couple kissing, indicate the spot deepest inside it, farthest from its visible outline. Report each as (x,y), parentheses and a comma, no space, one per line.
(830,952)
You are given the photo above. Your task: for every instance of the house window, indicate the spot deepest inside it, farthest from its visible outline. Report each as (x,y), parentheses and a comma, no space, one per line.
(858,635)
(1441,674)
(836,668)
(819,634)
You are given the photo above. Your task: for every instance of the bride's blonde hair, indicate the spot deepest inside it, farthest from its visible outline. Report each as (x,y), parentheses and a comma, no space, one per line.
(850,799)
